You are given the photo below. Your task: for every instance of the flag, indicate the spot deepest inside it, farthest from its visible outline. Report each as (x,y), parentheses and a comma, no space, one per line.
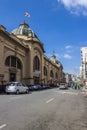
(27,14)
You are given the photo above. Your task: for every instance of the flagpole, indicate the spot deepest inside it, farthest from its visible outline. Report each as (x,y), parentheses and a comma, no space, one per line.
(27,15)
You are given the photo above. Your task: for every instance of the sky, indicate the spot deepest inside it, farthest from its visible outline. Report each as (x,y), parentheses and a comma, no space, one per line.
(61,25)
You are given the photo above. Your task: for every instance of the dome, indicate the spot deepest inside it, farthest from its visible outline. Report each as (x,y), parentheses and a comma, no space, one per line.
(23,29)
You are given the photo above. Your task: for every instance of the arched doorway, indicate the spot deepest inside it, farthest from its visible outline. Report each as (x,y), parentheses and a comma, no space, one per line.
(15,66)
(45,74)
(36,70)
(51,77)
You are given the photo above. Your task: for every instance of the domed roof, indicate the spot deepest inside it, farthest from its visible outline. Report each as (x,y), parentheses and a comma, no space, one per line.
(25,33)
(23,29)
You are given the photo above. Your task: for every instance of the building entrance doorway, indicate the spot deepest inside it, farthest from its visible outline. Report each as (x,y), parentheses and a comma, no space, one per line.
(12,77)
(36,80)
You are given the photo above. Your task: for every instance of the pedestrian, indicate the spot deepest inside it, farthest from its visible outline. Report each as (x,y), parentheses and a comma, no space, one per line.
(78,86)
(75,85)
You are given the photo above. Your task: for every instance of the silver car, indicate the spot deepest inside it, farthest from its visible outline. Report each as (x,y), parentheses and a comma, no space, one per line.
(63,86)
(16,87)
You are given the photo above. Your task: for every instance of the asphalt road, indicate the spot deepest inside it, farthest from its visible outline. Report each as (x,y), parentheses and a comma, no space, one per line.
(51,109)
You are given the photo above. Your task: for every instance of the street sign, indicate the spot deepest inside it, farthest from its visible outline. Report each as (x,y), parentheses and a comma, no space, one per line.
(37,71)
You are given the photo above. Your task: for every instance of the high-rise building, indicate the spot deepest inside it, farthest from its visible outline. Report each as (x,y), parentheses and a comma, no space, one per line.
(83,67)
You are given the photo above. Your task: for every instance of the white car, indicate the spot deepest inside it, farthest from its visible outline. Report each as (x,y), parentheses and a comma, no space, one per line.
(63,86)
(16,87)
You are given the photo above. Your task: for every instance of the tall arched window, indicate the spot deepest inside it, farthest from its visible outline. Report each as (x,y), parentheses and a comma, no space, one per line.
(12,61)
(45,71)
(56,75)
(51,74)
(36,63)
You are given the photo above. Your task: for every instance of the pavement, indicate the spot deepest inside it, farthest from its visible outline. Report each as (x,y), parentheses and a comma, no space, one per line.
(84,90)
(51,109)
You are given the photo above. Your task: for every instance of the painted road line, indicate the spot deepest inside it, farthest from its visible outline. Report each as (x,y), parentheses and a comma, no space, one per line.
(2,126)
(50,100)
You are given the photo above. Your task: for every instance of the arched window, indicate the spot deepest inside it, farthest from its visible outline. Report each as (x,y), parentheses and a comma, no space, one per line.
(45,71)
(7,61)
(51,74)
(12,61)
(56,75)
(19,64)
(36,63)
(25,31)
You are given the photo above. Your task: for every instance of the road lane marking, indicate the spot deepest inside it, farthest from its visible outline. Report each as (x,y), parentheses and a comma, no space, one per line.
(2,126)
(50,100)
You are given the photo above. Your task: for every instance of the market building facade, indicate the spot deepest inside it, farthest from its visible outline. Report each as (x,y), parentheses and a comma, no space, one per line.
(22,58)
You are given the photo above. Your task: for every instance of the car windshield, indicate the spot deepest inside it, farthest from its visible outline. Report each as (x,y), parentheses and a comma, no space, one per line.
(11,84)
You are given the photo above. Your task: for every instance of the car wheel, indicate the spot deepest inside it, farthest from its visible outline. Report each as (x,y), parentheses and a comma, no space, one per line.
(17,92)
(7,93)
(27,91)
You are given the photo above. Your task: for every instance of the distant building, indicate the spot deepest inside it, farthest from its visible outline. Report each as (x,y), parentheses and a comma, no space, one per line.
(22,58)
(83,68)
(69,78)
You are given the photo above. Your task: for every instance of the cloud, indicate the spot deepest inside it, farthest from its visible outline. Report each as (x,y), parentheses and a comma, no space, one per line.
(68,47)
(77,7)
(67,56)
(76,68)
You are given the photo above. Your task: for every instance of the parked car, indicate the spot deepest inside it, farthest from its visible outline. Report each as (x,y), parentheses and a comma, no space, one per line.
(63,86)
(16,87)
(31,87)
(35,87)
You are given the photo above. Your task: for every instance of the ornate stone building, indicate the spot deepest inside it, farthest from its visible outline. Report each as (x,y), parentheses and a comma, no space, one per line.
(22,58)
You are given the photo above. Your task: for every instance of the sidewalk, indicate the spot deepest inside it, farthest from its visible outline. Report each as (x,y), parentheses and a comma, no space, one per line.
(84,90)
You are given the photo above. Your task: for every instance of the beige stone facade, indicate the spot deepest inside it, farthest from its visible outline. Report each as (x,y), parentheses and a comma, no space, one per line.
(22,59)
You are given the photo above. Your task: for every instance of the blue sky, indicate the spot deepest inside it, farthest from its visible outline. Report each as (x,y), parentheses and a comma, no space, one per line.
(60,24)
